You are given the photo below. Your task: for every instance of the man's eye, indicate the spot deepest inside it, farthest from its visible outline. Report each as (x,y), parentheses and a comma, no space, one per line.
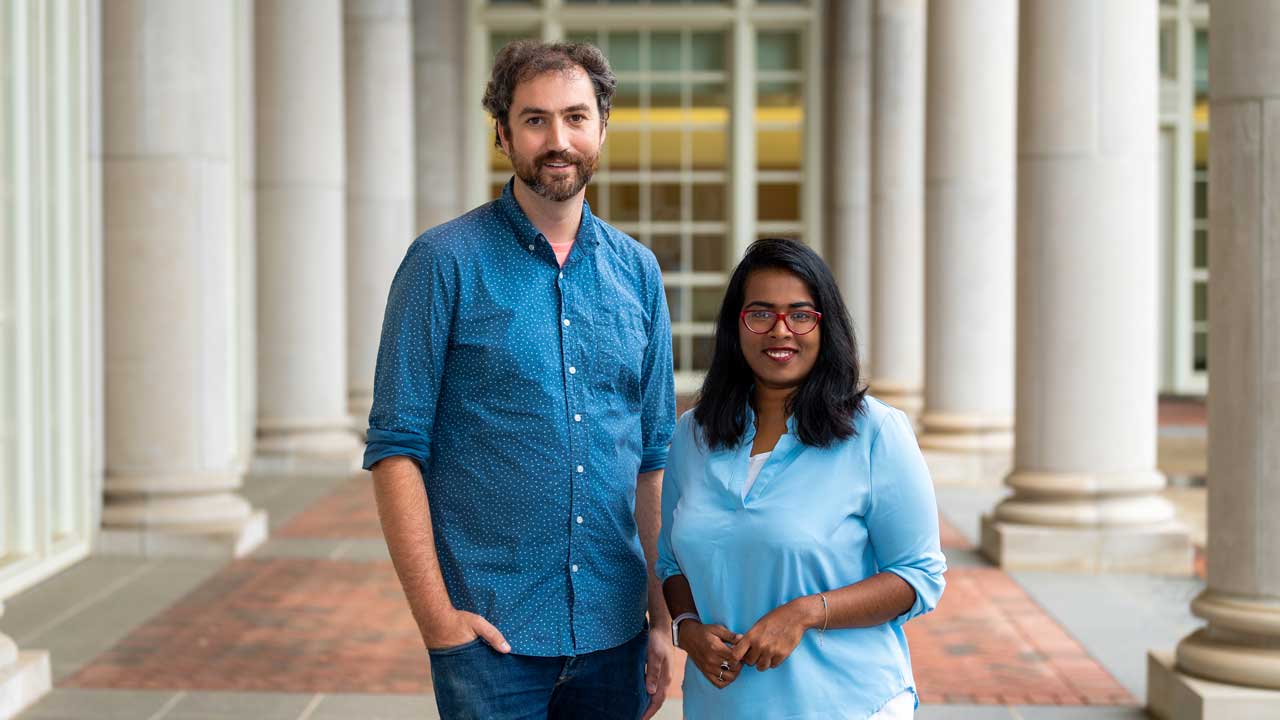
(533,121)
(577,118)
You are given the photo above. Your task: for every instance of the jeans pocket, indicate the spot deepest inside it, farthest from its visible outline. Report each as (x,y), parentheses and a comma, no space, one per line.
(455,649)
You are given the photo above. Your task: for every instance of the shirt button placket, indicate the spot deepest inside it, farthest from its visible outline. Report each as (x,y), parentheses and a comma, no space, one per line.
(577,441)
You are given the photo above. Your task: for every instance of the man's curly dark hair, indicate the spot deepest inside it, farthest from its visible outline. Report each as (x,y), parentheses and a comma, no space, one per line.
(522,60)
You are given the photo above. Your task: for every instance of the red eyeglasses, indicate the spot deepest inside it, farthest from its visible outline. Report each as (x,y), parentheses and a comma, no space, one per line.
(799,322)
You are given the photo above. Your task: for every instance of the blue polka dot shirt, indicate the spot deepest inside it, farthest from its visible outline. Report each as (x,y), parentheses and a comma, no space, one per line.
(530,395)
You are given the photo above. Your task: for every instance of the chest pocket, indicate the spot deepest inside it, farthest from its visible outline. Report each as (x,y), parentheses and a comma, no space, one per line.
(620,342)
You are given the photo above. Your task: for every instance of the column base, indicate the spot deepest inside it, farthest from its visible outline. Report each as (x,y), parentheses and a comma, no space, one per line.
(998,441)
(331,452)
(975,468)
(219,539)
(966,432)
(360,424)
(24,682)
(276,465)
(1160,548)
(1173,695)
(908,400)
(358,405)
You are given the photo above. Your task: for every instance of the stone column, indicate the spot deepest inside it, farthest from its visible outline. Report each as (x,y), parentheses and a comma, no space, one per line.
(1231,667)
(174,460)
(247,287)
(969,244)
(1086,491)
(896,356)
(848,151)
(24,676)
(303,420)
(439,32)
(380,168)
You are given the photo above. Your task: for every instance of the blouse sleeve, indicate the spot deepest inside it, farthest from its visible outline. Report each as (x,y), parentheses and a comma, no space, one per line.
(902,521)
(667,564)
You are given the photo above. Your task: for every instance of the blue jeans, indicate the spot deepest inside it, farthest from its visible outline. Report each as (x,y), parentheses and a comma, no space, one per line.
(475,682)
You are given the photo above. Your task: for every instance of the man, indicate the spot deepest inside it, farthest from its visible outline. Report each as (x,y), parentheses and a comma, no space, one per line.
(522,409)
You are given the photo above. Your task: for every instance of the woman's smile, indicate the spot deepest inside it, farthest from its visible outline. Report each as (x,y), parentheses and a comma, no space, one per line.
(781,354)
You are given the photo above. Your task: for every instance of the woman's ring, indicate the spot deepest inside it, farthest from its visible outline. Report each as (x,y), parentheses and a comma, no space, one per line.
(724,665)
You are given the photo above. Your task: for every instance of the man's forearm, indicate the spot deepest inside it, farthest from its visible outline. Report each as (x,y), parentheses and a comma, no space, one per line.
(405,514)
(648,522)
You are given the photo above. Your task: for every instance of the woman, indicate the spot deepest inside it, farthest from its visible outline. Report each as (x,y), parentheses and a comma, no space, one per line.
(799,527)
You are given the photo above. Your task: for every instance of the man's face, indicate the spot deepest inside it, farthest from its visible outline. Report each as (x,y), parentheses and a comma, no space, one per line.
(555,133)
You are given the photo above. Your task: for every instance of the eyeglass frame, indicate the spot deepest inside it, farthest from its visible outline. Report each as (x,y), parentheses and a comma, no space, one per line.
(743,317)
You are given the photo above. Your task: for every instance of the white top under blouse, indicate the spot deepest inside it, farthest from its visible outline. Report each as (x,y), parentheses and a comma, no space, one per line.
(753,471)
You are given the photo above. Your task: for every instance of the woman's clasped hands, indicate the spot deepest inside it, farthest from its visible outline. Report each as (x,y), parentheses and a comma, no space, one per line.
(710,647)
(720,653)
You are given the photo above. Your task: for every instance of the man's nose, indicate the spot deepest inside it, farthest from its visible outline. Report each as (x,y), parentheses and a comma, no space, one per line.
(557,136)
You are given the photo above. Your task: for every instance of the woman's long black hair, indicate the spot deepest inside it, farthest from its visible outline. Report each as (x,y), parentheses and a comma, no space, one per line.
(824,404)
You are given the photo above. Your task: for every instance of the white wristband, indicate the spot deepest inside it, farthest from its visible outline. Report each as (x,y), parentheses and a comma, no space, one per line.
(675,626)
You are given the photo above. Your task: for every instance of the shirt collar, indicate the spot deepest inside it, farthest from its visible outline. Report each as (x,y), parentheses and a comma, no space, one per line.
(526,233)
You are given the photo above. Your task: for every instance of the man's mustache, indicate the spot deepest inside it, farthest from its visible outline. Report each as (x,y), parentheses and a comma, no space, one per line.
(560,157)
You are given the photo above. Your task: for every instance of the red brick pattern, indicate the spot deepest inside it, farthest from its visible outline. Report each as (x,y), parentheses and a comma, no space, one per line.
(348,512)
(989,643)
(306,626)
(311,625)
(291,625)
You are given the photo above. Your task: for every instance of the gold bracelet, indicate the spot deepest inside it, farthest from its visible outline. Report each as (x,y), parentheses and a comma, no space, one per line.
(826,616)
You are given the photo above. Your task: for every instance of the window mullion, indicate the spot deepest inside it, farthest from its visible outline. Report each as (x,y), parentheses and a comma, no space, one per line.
(742,145)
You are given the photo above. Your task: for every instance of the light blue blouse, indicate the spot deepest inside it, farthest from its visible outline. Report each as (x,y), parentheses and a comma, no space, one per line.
(816,519)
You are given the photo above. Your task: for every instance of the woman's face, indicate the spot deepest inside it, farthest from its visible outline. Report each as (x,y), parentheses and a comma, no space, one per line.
(779,358)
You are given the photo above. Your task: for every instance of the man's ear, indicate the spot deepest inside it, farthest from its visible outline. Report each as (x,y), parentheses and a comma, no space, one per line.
(604,127)
(503,140)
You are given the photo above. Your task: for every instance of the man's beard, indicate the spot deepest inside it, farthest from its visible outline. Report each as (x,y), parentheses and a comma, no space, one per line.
(561,186)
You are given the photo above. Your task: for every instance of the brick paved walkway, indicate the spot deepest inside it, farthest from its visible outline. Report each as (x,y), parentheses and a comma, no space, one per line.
(317,625)
(313,625)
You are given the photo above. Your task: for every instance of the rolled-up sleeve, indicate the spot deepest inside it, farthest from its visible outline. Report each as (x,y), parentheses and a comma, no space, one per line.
(411,357)
(658,404)
(902,520)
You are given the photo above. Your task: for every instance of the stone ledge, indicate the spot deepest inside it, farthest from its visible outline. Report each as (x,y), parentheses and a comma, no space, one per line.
(1162,549)
(985,468)
(1173,695)
(270,464)
(24,682)
(227,540)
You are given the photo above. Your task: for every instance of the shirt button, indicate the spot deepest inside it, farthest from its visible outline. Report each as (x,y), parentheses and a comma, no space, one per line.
(573,568)
(579,519)
(561,276)
(577,418)
(530,247)
(580,468)
(573,370)
(566,322)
